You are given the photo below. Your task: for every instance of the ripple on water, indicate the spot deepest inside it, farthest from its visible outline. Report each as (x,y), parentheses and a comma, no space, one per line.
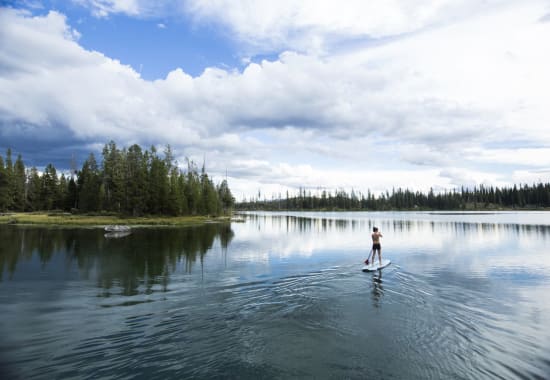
(464,329)
(376,325)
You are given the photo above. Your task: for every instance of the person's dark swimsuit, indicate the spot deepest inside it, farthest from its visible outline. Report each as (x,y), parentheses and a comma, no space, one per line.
(376,246)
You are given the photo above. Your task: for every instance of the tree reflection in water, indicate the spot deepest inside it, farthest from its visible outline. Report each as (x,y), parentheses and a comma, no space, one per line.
(141,260)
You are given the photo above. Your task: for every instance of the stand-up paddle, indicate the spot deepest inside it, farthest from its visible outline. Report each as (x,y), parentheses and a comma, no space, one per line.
(367,261)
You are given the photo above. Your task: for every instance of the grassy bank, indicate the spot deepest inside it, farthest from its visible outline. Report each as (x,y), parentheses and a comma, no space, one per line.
(62,219)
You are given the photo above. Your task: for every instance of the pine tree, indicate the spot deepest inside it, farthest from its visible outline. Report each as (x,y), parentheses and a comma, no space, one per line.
(159,186)
(4,187)
(109,167)
(208,195)
(226,198)
(19,184)
(89,183)
(62,193)
(193,189)
(10,179)
(72,195)
(49,188)
(136,181)
(182,200)
(34,185)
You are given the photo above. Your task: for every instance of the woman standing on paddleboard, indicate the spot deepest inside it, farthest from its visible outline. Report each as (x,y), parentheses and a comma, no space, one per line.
(376,235)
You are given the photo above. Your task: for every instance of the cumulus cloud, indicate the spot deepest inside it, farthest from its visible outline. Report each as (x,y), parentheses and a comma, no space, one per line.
(49,81)
(460,177)
(428,105)
(531,176)
(529,157)
(314,25)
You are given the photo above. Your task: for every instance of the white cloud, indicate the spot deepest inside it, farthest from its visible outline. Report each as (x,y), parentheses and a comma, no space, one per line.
(311,25)
(469,178)
(272,180)
(534,157)
(422,110)
(103,8)
(144,9)
(531,176)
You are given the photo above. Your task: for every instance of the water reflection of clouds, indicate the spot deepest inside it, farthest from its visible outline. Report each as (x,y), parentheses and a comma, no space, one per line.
(476,249)
(288,236)
(473,249)
(291,234)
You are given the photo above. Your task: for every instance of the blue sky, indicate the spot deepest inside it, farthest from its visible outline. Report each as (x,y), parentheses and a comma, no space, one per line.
(282,95)
(153,45)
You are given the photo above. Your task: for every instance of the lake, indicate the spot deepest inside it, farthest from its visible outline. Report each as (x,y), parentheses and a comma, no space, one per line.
(282,295)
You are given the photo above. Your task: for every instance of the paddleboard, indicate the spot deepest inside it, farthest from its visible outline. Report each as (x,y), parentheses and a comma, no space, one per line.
(376,265)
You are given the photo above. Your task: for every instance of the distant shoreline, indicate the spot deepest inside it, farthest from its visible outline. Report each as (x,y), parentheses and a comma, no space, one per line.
(99,221)
(431,211)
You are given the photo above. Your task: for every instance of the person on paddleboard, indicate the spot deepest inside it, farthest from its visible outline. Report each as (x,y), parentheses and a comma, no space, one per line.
(376,235)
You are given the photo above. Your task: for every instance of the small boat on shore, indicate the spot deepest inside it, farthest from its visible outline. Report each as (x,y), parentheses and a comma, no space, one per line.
(117,228)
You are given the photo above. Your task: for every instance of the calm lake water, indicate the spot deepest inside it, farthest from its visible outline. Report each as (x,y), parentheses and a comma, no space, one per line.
(280,296)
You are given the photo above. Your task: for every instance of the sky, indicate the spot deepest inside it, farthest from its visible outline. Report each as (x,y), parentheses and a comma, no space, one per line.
(281,95)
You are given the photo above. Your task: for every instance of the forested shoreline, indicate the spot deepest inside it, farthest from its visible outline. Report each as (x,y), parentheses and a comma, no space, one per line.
(128,181)
(536,196)
(136,182)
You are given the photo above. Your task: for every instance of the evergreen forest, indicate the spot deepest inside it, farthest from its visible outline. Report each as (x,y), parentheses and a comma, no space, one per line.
(127,181)
(137,182)
(536,196)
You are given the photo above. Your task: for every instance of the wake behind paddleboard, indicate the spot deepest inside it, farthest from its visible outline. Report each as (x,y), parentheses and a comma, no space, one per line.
(376,265)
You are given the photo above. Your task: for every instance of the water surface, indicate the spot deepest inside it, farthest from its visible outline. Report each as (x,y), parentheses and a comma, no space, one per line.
(280,296)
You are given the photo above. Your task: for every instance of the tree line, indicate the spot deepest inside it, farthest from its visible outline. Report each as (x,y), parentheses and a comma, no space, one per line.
(479,198)
(128,181)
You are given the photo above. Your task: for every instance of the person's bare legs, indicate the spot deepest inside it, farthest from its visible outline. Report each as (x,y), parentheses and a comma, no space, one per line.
(380,256)
(374,255)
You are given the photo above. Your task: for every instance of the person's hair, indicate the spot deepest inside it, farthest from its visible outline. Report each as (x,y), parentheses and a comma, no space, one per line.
(374,229)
